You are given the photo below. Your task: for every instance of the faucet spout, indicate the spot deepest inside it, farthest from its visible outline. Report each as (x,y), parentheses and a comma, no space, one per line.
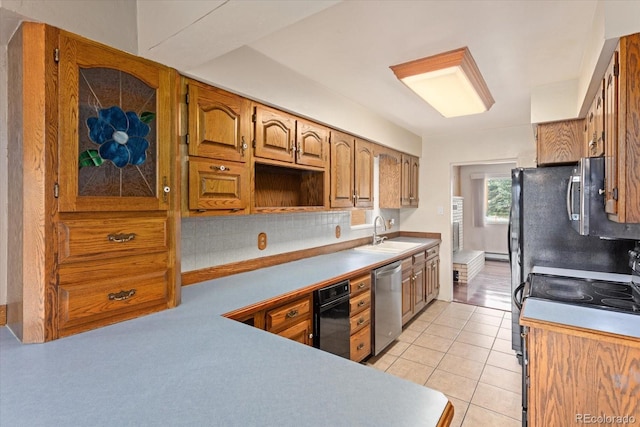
(376,239)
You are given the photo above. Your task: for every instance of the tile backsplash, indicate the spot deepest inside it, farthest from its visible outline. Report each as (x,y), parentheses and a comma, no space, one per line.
(212,241)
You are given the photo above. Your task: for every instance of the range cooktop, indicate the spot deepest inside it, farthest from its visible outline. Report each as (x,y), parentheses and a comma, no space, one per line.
(605,294)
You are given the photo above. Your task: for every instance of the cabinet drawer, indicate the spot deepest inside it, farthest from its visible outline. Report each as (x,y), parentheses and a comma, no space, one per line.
(288,314)
(360,320)
(360,344)
(99,238)
(360,302)
(360,284)
(419,257)
(108,297)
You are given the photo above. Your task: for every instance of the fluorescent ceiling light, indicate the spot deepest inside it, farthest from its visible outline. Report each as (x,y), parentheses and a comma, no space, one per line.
(450,82)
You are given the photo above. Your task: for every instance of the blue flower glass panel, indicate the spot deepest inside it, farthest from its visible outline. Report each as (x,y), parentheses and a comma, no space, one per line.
(117,131)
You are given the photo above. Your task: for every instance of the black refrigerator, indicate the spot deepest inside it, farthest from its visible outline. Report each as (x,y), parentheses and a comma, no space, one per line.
(540,233)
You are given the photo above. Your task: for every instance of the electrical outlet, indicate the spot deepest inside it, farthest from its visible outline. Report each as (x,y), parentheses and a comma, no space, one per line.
(262,241)
(440,210)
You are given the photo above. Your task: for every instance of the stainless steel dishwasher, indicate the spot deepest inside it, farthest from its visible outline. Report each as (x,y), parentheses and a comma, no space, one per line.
(387,308)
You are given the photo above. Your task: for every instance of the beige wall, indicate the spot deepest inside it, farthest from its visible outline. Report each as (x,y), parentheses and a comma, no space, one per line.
(439,154)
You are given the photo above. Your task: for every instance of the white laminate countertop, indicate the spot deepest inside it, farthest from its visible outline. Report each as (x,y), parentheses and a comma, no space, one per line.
(190,366)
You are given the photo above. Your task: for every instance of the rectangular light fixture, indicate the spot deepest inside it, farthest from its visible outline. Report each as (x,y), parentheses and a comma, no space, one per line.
(450,82)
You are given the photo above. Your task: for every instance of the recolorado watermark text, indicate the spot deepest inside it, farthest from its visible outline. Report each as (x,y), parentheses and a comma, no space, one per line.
(605,419)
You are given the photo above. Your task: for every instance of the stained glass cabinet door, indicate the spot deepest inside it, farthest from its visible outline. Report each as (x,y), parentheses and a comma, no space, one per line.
(115,129)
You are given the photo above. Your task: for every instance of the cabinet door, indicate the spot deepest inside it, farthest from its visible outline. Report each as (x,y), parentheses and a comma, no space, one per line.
(115,129)
(420,286)
(274,134)
(363,174)
(312,144)
(219,125)
(611,134)
(415,178)
(407,295)
(560,142)
(218,185)
(342,170)
(405,193)
(301,332)
(594,138)
(390,180)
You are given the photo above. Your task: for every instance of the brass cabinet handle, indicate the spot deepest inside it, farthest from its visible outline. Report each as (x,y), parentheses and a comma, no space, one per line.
(362,285)
(122,295)
(221,168)
(361,321)
(360,346)
(361,303)
(121,238)
(292,314)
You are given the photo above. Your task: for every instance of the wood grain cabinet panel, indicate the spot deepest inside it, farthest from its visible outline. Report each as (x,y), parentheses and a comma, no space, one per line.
(410,176)
(390,179)
(360,346)
(351,172)
(301,332)
(363,179)
(560,142)
(219,185)
(360,320)
(274,135)
(360,317)
(594,126)
(312,144)
(288,314)
(420,282)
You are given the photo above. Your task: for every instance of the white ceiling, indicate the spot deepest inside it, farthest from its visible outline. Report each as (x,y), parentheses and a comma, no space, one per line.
(348,46)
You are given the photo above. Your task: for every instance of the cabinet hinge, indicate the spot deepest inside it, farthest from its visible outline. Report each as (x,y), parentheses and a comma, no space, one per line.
(616,69)
(253,143)
(186,139)
(186,98)
(56,190)
(254,117)
(56,55)
(615,193)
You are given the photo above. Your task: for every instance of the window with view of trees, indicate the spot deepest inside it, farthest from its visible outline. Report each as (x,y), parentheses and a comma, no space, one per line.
(498,203)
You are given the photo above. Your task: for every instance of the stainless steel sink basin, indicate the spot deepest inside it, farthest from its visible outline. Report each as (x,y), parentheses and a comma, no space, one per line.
(389,246)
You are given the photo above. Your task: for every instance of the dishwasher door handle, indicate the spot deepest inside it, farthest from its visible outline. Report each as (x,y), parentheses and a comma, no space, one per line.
(384,272)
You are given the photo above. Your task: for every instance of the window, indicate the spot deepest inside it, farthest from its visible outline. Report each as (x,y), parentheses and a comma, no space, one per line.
(498,202)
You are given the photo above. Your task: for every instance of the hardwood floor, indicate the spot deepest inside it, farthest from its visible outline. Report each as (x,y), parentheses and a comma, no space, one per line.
(490,288)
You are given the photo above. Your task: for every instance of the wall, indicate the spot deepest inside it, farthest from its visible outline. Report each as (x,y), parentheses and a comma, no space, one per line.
(439,154)
(490,237)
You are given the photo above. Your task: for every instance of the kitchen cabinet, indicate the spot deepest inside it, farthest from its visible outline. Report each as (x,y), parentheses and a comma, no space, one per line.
(216,172)
(560,142)
(292,320)
(410,179)
(622,130)
(98,191)
(351,172)
(420,282)
(594,126)
(390,174)
(575,372)
(360,317)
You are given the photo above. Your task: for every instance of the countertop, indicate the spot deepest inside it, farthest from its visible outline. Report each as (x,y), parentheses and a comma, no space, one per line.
(191,366)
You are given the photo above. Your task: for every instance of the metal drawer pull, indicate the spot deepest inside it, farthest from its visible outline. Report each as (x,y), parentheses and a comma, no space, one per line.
(121,238)
(362,285)
(122,295)
(361,321)
(360,346)
(292,314)
(361,303)
(221,168)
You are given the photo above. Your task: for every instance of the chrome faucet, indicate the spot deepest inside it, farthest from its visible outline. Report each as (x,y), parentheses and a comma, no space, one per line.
(376,239)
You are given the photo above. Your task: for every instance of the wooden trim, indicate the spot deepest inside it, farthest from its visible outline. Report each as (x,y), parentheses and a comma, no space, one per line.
(447,415)
(3,315)
(197,276)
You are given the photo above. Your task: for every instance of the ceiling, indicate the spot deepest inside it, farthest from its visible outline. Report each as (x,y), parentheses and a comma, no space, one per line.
(348,47)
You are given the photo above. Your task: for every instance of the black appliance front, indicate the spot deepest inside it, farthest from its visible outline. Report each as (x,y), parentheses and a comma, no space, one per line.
(332,329)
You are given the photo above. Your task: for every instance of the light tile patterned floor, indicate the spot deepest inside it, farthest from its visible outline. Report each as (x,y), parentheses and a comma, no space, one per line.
(465,352)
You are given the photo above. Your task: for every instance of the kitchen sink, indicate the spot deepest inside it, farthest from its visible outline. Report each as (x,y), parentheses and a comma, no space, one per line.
(388,246)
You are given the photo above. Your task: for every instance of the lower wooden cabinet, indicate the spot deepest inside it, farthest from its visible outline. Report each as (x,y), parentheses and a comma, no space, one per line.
(292,320)
(360,317)
(420,282)
(575,373)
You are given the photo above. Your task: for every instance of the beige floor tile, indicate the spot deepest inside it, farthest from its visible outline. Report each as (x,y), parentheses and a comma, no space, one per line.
(481,328)
(409,370)
(504,333)
(490,312)
(459,411)
(442,331)
(504,360)
(382,361)
(461,366)
(502,378)
(428,316)
(452,384)
(433,342)
(396,348)
(408,335)
(506,323)
(455,312)
(503,346)
(462,307)
(507,315)
(486,319)
(418,325)
(423,355)
(498,400)
(450,321)
(481,417)
(468,351)
(484,341)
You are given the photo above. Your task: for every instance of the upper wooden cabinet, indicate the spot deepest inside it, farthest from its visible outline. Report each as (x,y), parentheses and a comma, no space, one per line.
(594,126)
(560,142)
(116,130)
(390,171)
(219,123)
(351,171)
(622,132)
(410,178)
(286,138)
